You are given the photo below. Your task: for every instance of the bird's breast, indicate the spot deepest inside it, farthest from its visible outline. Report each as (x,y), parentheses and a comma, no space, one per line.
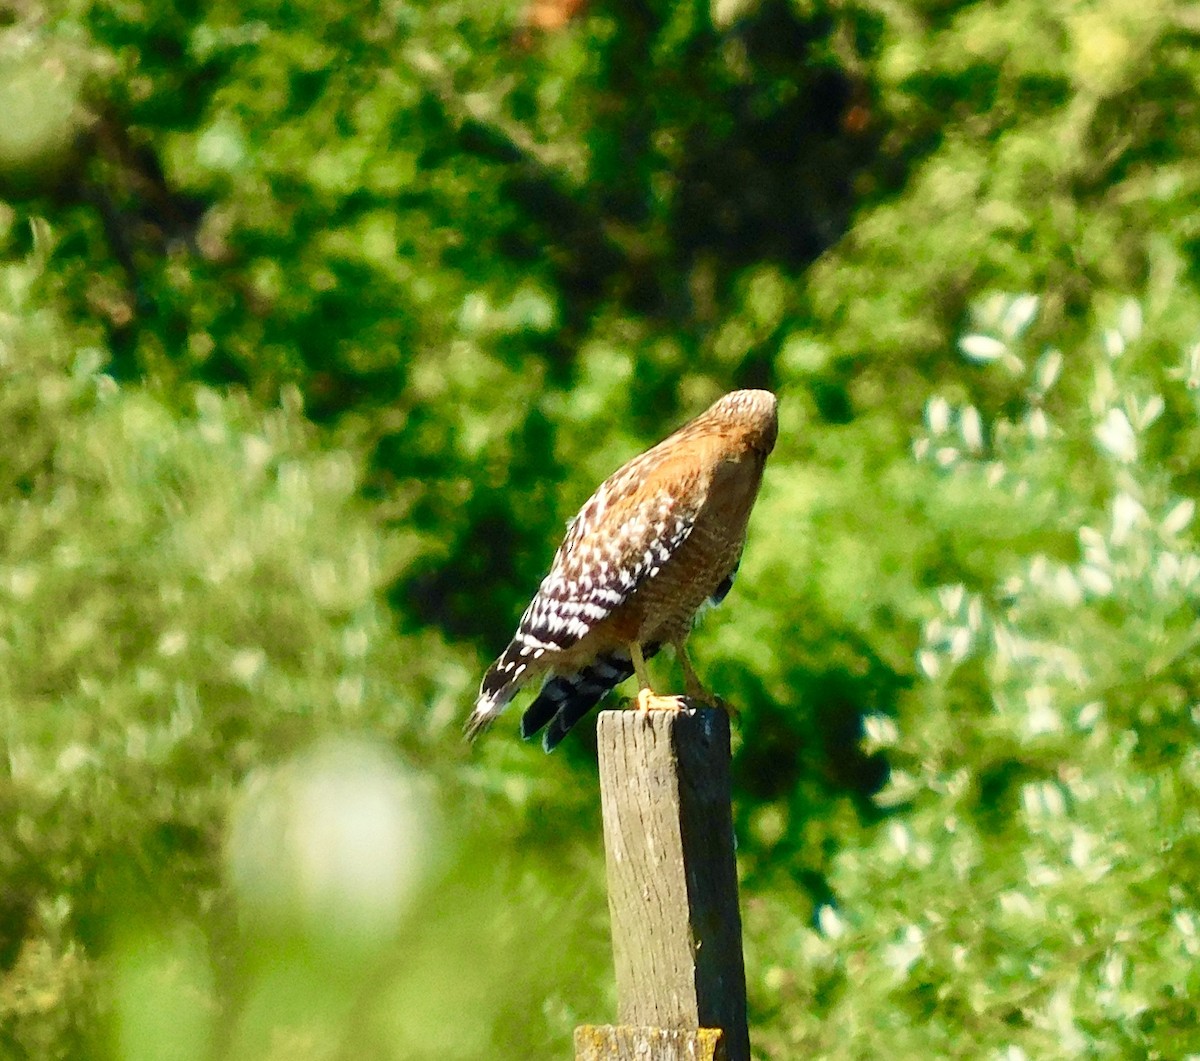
(665,605)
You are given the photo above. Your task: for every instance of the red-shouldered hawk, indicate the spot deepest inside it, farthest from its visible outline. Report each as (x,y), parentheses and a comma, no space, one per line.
(659,538)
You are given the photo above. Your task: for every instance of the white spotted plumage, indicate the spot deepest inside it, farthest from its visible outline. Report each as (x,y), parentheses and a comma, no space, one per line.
(651,545)
(590,578)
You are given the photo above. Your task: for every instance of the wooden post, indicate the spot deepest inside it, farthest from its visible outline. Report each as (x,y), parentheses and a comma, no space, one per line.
(672,890)
(628,1043)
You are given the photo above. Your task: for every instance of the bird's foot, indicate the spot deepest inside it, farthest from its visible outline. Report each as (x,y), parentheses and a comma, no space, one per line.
(698,696)
(651,701)
(722,704)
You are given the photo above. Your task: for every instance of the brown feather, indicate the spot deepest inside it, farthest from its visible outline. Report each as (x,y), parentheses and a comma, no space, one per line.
(647,549)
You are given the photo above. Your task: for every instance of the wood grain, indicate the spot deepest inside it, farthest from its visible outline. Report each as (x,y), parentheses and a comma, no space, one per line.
(625,1043)
(672,877)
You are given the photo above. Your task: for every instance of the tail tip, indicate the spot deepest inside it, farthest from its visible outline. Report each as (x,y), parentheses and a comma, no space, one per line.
(487,710)
(493,698)
(475,725)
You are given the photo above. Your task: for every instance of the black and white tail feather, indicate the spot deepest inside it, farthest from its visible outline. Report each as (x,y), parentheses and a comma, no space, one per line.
(500,684)
(585,584)
(564,698)
(540,630)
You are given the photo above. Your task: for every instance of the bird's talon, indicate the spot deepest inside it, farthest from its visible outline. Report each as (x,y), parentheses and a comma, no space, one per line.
(648,700)
(724,705)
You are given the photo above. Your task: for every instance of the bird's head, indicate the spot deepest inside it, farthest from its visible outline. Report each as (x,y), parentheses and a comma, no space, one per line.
(752,414)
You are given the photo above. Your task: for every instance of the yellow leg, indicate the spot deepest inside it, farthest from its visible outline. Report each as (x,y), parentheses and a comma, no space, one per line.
(647,698)
(691,681)
(695,688)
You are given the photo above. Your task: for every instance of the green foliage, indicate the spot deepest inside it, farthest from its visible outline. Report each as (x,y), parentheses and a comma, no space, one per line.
(1026,895)
(184,597)
(316,325)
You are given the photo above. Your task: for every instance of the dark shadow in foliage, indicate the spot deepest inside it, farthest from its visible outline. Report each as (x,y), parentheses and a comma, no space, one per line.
(805,754)
(768,155)
(999,791)
(115,176)
(494,575)
(18,903)
(763,168)
(766,146)
(772,178)
(710,150)
(446,596)
(821,737)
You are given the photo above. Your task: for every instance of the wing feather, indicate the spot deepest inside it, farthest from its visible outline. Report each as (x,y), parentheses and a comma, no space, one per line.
(625,534)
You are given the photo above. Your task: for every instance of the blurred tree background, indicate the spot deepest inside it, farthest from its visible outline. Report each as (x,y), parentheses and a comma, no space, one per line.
(318,321)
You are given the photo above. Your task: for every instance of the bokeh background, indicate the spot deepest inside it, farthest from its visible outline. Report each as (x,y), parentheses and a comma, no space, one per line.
(317,322)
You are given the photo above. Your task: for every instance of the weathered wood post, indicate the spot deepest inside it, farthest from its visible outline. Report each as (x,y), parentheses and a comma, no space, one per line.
(672,891)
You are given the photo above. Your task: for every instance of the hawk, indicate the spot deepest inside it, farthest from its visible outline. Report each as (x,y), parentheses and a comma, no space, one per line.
(660,538)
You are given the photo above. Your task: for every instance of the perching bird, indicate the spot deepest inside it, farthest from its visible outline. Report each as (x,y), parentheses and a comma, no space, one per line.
(661,537)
